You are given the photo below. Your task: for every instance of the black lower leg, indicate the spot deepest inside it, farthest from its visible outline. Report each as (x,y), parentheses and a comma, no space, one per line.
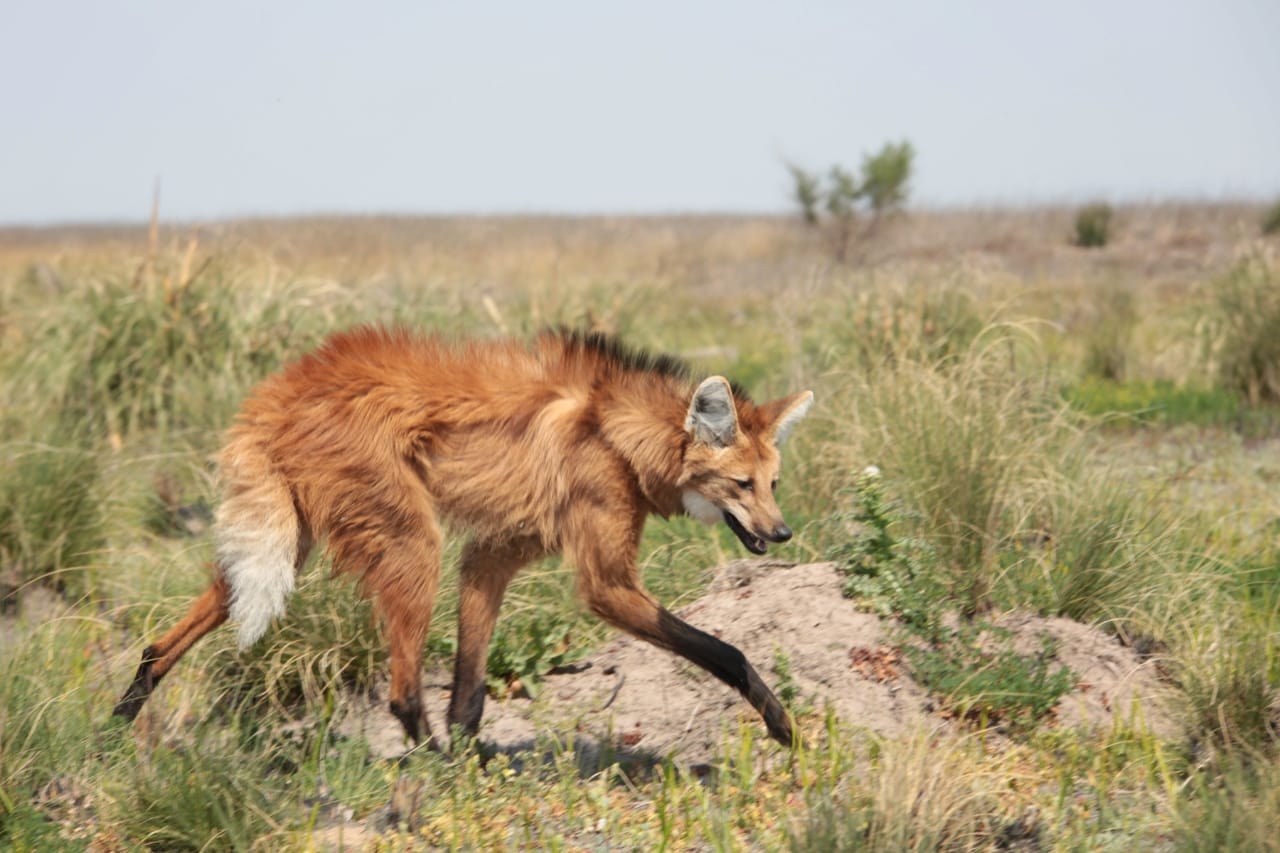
(140,688)
(466,707)
(410,714)
(729,665)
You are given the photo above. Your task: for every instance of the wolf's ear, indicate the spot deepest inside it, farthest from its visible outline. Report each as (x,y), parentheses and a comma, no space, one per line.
(782,415)
(712,418)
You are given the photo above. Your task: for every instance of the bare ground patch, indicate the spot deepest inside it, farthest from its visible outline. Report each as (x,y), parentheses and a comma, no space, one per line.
(637,699)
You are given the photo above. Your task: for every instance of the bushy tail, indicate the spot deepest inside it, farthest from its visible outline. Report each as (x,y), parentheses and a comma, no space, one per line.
(258,539)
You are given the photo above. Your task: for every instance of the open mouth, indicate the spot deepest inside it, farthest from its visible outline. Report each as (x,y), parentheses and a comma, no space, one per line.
(754,543)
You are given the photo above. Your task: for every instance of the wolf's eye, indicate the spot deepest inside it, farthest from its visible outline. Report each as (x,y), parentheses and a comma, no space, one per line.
(745,485)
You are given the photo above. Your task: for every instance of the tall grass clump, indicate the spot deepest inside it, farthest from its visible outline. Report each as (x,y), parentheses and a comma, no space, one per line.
(50,515)
(328,639)
(889,325)
(967,443)
(1236,810)
(1227,669)
(1109,339)
(168,350)
(1099,552)
(47,718)
(1241,332)
(211,794)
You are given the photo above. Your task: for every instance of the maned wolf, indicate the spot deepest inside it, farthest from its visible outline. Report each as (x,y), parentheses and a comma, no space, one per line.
(564,445)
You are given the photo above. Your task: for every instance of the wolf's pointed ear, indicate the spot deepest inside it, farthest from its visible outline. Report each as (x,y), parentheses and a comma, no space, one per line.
(783,414)
(712,418)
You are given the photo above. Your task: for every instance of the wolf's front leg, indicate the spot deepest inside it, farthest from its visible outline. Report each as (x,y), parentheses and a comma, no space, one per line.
(636,613)
(485,571)
(609,581)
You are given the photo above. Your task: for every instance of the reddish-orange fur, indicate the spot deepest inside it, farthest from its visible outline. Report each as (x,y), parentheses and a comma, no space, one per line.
(564,445)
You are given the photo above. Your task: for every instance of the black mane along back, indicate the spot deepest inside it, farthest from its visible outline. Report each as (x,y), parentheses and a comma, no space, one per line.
(610,348)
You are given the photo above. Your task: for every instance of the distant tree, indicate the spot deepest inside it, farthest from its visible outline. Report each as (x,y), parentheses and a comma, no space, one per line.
(808,193)
(885,176)
(881,188)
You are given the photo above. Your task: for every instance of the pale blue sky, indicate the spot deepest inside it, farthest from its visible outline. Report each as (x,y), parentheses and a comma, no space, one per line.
(261,108)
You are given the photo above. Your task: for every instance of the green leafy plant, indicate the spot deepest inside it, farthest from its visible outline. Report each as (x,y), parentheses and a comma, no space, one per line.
(891,574)
(976,673)
(787,689)
(523,652)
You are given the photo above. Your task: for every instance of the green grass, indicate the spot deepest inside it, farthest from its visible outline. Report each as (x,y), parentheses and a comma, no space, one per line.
(1005,484)
(1158,402)
(978,675)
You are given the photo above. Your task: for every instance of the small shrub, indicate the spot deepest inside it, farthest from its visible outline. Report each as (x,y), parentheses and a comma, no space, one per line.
(807,193)
(1093,226)
(885,175)
(1271,220)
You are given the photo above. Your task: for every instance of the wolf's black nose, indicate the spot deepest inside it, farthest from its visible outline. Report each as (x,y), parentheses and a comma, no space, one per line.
(781,533)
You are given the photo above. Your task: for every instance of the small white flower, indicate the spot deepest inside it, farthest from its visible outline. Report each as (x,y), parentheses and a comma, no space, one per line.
(871,471)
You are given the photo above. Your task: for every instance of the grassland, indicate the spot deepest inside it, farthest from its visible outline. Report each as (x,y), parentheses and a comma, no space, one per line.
(1089,433)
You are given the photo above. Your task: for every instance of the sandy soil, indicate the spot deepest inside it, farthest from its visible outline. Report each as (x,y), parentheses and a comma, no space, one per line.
(637,700)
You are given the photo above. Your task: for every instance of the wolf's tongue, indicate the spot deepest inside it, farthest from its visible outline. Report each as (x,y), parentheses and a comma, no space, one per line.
(753,543)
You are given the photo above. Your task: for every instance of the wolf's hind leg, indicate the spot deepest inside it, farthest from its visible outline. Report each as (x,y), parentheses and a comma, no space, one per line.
(403,584)
(207,612)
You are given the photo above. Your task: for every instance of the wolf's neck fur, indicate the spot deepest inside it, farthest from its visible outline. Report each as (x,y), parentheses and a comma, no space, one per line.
(646,427)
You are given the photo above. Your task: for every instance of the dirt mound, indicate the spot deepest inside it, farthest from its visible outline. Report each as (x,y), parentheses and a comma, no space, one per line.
(641,699)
